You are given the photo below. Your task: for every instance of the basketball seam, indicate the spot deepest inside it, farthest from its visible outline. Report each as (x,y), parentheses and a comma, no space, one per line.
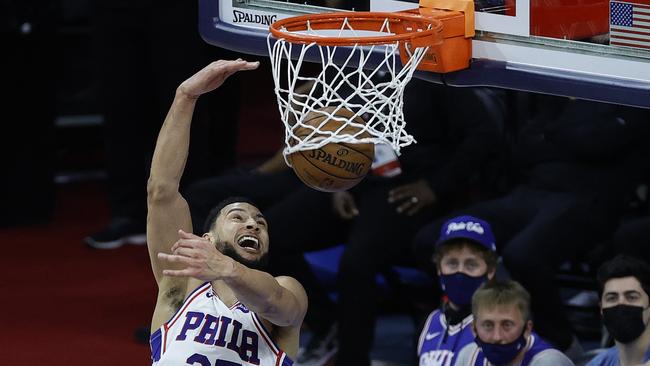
(303,124)
(309,182)
(302,177)
(325,171)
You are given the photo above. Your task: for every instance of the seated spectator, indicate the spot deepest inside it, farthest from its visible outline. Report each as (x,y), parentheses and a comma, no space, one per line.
(574,165)
(504,331)
(625,285)
(465,258)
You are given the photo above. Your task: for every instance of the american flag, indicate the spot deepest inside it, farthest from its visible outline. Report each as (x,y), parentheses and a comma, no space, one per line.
(629,23)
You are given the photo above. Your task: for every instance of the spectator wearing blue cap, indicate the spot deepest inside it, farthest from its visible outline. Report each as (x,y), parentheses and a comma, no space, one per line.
(574,164)
(465,258)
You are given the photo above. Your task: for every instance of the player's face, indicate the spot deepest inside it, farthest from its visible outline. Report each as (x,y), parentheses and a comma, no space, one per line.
(624,291)
(464,259)
(242,229)
(500,324)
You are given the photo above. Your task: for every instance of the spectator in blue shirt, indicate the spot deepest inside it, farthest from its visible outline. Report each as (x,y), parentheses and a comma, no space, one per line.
(504,331)
(465,257)
(625,284)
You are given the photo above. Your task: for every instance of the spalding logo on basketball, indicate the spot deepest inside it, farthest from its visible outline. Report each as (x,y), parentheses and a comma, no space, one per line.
(335,166)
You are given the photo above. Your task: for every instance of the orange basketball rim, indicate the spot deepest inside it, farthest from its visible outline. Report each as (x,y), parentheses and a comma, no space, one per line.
(444,26)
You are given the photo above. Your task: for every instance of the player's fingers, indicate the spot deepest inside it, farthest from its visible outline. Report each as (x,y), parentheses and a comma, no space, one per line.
(185,235)
(183,243)
(175,246)
(235,66)
(186,252)
(178,272)
(245,64)
(175,258)
(251,65)
(185,238)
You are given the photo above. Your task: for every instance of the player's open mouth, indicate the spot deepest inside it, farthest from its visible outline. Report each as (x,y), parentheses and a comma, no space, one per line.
(249,243)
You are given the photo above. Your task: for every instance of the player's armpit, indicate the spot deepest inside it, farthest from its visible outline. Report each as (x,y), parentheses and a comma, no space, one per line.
(171,295)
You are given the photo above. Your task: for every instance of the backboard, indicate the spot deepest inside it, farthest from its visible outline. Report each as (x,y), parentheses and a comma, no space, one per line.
(591,49)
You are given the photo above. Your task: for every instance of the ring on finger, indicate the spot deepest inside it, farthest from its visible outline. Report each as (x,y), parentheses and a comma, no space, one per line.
(414,199)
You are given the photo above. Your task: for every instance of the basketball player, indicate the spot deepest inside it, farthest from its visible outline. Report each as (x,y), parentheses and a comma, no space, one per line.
(504,331)
(215,306)
(465,258)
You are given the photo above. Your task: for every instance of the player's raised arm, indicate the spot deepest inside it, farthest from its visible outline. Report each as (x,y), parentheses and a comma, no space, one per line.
(167,210)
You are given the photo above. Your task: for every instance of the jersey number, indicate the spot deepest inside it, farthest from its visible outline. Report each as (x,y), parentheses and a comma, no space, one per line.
(203,361)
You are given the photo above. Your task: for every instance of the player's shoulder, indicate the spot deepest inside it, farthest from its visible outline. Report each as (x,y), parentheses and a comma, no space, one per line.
(292,285)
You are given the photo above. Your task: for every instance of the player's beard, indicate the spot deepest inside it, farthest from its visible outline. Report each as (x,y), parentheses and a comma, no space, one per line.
(229,250)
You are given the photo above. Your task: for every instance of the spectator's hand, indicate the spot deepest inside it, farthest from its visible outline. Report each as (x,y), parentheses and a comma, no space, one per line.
(212,76)
(200,257)
(412,197)
(344,205)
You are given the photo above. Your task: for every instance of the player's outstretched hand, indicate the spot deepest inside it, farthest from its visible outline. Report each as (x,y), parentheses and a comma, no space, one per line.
(212,76)
(200,258)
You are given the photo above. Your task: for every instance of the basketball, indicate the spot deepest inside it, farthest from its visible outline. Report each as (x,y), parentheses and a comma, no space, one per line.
(335,166)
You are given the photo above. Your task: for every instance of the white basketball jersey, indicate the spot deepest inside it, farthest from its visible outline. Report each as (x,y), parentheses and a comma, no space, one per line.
(205,332)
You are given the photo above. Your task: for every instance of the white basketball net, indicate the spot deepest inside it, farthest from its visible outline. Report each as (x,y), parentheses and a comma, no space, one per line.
(374,94)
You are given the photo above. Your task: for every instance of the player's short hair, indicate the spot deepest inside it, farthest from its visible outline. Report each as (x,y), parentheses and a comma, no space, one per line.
(208,225)
(624,266)
(499,293)
(489,256)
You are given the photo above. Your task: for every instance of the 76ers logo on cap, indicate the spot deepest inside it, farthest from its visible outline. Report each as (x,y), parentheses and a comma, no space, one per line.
(468,227)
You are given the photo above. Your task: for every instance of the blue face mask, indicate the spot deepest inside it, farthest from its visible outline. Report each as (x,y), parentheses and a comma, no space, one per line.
(501,354)
(460,287)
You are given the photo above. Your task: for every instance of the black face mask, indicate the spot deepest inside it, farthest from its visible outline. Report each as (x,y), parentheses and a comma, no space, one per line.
(624,322)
